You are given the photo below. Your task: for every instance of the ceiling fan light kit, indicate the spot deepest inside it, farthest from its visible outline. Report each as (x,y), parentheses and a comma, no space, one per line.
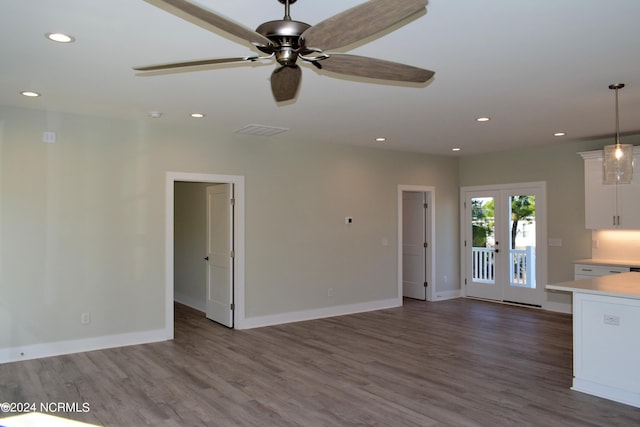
(618,158)
(288,40)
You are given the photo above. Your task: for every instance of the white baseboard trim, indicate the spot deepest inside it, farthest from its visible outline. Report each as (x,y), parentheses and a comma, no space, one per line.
(444,295)
(298,316)
(607,392)
(195,303)
(558,307)
(37,351)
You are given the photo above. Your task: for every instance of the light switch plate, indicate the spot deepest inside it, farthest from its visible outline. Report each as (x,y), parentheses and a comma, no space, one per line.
(49,137)
(555,241)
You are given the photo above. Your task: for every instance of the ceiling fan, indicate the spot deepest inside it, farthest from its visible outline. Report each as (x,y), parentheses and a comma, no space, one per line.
(288,40)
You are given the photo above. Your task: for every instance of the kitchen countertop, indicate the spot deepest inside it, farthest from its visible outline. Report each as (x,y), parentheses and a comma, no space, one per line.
(624,285)
(602,261)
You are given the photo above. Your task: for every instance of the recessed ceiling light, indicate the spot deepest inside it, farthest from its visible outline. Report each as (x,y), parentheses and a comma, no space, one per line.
(60,37)
(483,119)
(155,114)
(456,149)
(197,115)
(381,139)
(30,94)
(559,134)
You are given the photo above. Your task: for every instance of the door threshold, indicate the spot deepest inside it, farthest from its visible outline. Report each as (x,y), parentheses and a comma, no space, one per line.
(522,304)
(514,303)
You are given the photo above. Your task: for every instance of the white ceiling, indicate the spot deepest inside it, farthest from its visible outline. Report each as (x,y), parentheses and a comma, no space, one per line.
(534,67)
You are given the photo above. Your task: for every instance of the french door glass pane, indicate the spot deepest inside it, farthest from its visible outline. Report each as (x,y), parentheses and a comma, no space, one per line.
(522,241)
(483,232)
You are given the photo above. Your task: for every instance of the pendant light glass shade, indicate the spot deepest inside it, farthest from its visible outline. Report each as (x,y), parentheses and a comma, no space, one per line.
(618,158)
(618,164)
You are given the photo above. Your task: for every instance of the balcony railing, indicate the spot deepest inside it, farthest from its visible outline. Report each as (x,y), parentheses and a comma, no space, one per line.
(483,262)
(522,271)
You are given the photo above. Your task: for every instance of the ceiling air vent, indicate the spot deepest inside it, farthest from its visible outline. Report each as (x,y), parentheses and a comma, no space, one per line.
(261,130)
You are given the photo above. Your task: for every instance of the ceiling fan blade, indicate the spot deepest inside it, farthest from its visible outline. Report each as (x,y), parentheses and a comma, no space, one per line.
(206,16)
(360,22)
(195,63)
(362,66)
(285,82)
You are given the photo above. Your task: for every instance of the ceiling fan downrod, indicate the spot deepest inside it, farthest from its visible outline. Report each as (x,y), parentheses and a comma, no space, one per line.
(287,8)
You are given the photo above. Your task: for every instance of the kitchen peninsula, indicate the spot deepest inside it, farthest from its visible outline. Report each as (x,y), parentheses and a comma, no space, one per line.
(606,324)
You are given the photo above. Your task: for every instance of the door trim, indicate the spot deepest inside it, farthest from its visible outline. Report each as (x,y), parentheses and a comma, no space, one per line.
(430,230)
(239,233)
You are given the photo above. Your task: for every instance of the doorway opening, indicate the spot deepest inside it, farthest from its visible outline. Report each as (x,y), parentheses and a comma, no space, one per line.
(206,255)
(416,251)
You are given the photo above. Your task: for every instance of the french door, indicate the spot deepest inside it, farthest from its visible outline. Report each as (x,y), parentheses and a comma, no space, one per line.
(504,236)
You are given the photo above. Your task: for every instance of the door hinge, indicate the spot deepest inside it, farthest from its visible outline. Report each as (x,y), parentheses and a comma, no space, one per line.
(233,254)
(233,202)
(465,281)
(426,284)
(465,243)
(426,205)
(426,245)
(232,306)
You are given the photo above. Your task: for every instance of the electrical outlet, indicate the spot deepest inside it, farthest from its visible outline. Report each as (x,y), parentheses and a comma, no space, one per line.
(610,319)
(85,318)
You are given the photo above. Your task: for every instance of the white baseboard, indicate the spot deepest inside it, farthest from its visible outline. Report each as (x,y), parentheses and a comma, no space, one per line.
(36,351)
(196,303)
(298,316)
(444,295)
(558,307)
(627,397)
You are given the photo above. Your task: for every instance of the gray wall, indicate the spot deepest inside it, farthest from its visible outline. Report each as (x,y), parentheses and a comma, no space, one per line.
(563,170)
(82,221)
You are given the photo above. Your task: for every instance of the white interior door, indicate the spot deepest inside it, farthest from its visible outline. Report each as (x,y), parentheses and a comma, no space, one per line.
(414,242)
(220,254)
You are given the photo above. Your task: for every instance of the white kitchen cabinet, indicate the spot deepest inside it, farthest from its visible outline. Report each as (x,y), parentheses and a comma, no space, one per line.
(610,206)
(606,320)
(587,271)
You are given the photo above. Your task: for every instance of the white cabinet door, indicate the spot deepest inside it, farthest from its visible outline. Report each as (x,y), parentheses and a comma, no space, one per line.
(610,206)
(629,202)
(600,200)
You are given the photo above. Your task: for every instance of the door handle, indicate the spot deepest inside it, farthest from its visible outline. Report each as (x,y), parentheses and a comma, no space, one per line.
(206,258)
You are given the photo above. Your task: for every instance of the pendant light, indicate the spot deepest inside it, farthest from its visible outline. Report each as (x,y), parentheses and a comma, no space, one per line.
(618,158)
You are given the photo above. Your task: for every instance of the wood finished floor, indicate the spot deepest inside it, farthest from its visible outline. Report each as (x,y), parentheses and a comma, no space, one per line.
(451,363)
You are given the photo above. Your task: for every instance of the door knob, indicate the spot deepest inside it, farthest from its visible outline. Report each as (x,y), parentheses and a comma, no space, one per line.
(497,250)
(206,258)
